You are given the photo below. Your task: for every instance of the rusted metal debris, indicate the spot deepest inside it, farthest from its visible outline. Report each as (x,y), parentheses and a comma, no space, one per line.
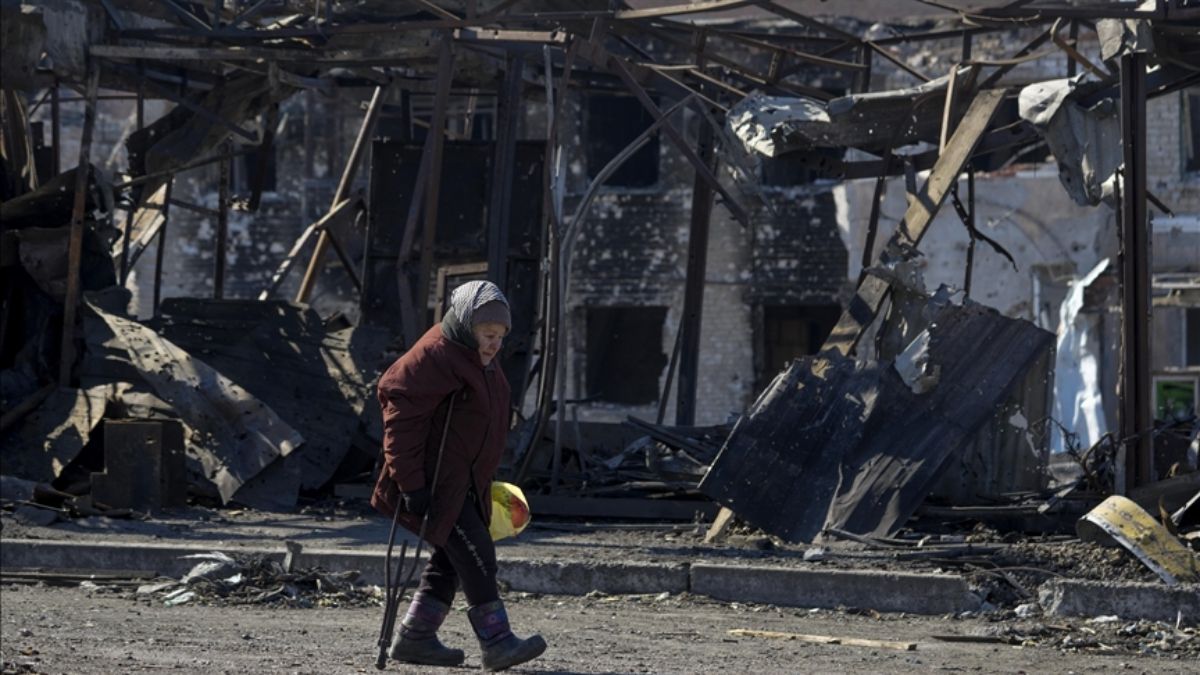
(855,445)
(1118,520)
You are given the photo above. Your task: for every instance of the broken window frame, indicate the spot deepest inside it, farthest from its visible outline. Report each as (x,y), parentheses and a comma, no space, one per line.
(627,365)
(1174,378)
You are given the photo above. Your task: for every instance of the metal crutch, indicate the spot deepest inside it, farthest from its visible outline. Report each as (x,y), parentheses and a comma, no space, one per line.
(395,592)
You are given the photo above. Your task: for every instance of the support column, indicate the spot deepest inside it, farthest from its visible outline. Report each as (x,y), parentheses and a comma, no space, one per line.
(437,127)
(56,129)
(693,296)
(508,111)
(75,245)
(1136,416)
(969,273)
(222,224)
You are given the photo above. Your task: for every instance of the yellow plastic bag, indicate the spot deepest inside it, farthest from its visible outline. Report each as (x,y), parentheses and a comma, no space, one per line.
(510,511)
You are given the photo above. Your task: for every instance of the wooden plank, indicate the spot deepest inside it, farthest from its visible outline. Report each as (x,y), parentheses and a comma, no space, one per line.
(515,36)
(719,525)
(825,639)
(323,241)
(679,10)
(285,266)
(871,293)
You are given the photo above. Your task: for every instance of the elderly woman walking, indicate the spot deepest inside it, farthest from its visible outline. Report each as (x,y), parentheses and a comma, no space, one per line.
(452,371)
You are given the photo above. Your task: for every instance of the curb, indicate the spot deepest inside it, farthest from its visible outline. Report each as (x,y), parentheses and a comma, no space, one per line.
(881,591)
(167,559)
(581,578)
(532,576)
(792,587)
(1128,600)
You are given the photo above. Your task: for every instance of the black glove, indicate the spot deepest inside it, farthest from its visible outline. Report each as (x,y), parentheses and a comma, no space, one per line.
(416,502)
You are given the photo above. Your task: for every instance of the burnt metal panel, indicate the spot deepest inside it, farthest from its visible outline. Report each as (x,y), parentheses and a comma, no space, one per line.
(318,381)
(835,442)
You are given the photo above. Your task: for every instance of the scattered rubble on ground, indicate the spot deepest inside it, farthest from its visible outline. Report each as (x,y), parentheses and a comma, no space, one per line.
(221,579)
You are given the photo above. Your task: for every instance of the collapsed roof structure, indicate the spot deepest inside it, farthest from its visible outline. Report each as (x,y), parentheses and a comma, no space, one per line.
(226,66)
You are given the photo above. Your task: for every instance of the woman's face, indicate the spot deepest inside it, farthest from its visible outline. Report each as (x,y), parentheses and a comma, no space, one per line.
(489,336)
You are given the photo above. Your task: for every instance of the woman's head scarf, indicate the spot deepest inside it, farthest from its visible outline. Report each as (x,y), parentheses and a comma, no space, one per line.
(464,301)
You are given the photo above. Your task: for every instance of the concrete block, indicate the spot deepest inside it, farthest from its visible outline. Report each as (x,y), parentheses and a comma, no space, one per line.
(881,591)
(580,578)
(1128,600)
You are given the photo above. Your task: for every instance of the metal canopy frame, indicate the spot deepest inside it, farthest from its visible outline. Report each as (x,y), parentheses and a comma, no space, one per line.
(189,58)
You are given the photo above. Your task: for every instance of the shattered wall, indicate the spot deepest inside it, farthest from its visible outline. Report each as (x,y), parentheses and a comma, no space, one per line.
(635,253)
(259,241)
(1027,212)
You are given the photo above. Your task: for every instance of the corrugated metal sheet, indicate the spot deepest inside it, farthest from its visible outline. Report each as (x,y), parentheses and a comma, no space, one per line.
(835,442)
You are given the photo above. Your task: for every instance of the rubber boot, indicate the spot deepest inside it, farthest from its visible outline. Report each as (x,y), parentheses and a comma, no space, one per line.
(501,649)
(417,640)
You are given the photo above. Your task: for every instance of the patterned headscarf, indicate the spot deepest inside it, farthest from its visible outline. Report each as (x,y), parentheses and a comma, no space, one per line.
(465,299)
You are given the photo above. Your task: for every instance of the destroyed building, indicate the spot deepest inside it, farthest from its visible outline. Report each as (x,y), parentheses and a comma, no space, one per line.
(735,217)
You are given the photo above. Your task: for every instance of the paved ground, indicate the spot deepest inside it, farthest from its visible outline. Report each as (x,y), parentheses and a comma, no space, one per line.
(111,630)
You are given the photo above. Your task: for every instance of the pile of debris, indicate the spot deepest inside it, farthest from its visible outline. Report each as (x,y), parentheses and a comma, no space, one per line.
(220,579)
(1102,634)
(228,400)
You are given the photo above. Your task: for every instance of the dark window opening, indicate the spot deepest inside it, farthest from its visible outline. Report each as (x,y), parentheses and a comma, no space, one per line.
(792,331)
(1191,130)
(611,123)
(1191,333)
(624,353)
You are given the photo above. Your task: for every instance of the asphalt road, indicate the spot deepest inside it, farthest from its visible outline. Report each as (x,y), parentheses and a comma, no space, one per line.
(110,630)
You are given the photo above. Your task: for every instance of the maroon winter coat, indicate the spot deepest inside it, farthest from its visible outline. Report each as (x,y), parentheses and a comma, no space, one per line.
(414,395)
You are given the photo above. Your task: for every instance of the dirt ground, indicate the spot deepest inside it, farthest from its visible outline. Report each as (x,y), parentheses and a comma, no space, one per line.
(105,630)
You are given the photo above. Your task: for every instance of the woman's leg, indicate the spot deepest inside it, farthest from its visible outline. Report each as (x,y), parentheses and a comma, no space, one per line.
(417,640)
(439,578)
(473,555)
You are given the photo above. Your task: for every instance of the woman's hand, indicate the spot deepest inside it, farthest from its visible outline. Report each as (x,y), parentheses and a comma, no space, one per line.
(416,502)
